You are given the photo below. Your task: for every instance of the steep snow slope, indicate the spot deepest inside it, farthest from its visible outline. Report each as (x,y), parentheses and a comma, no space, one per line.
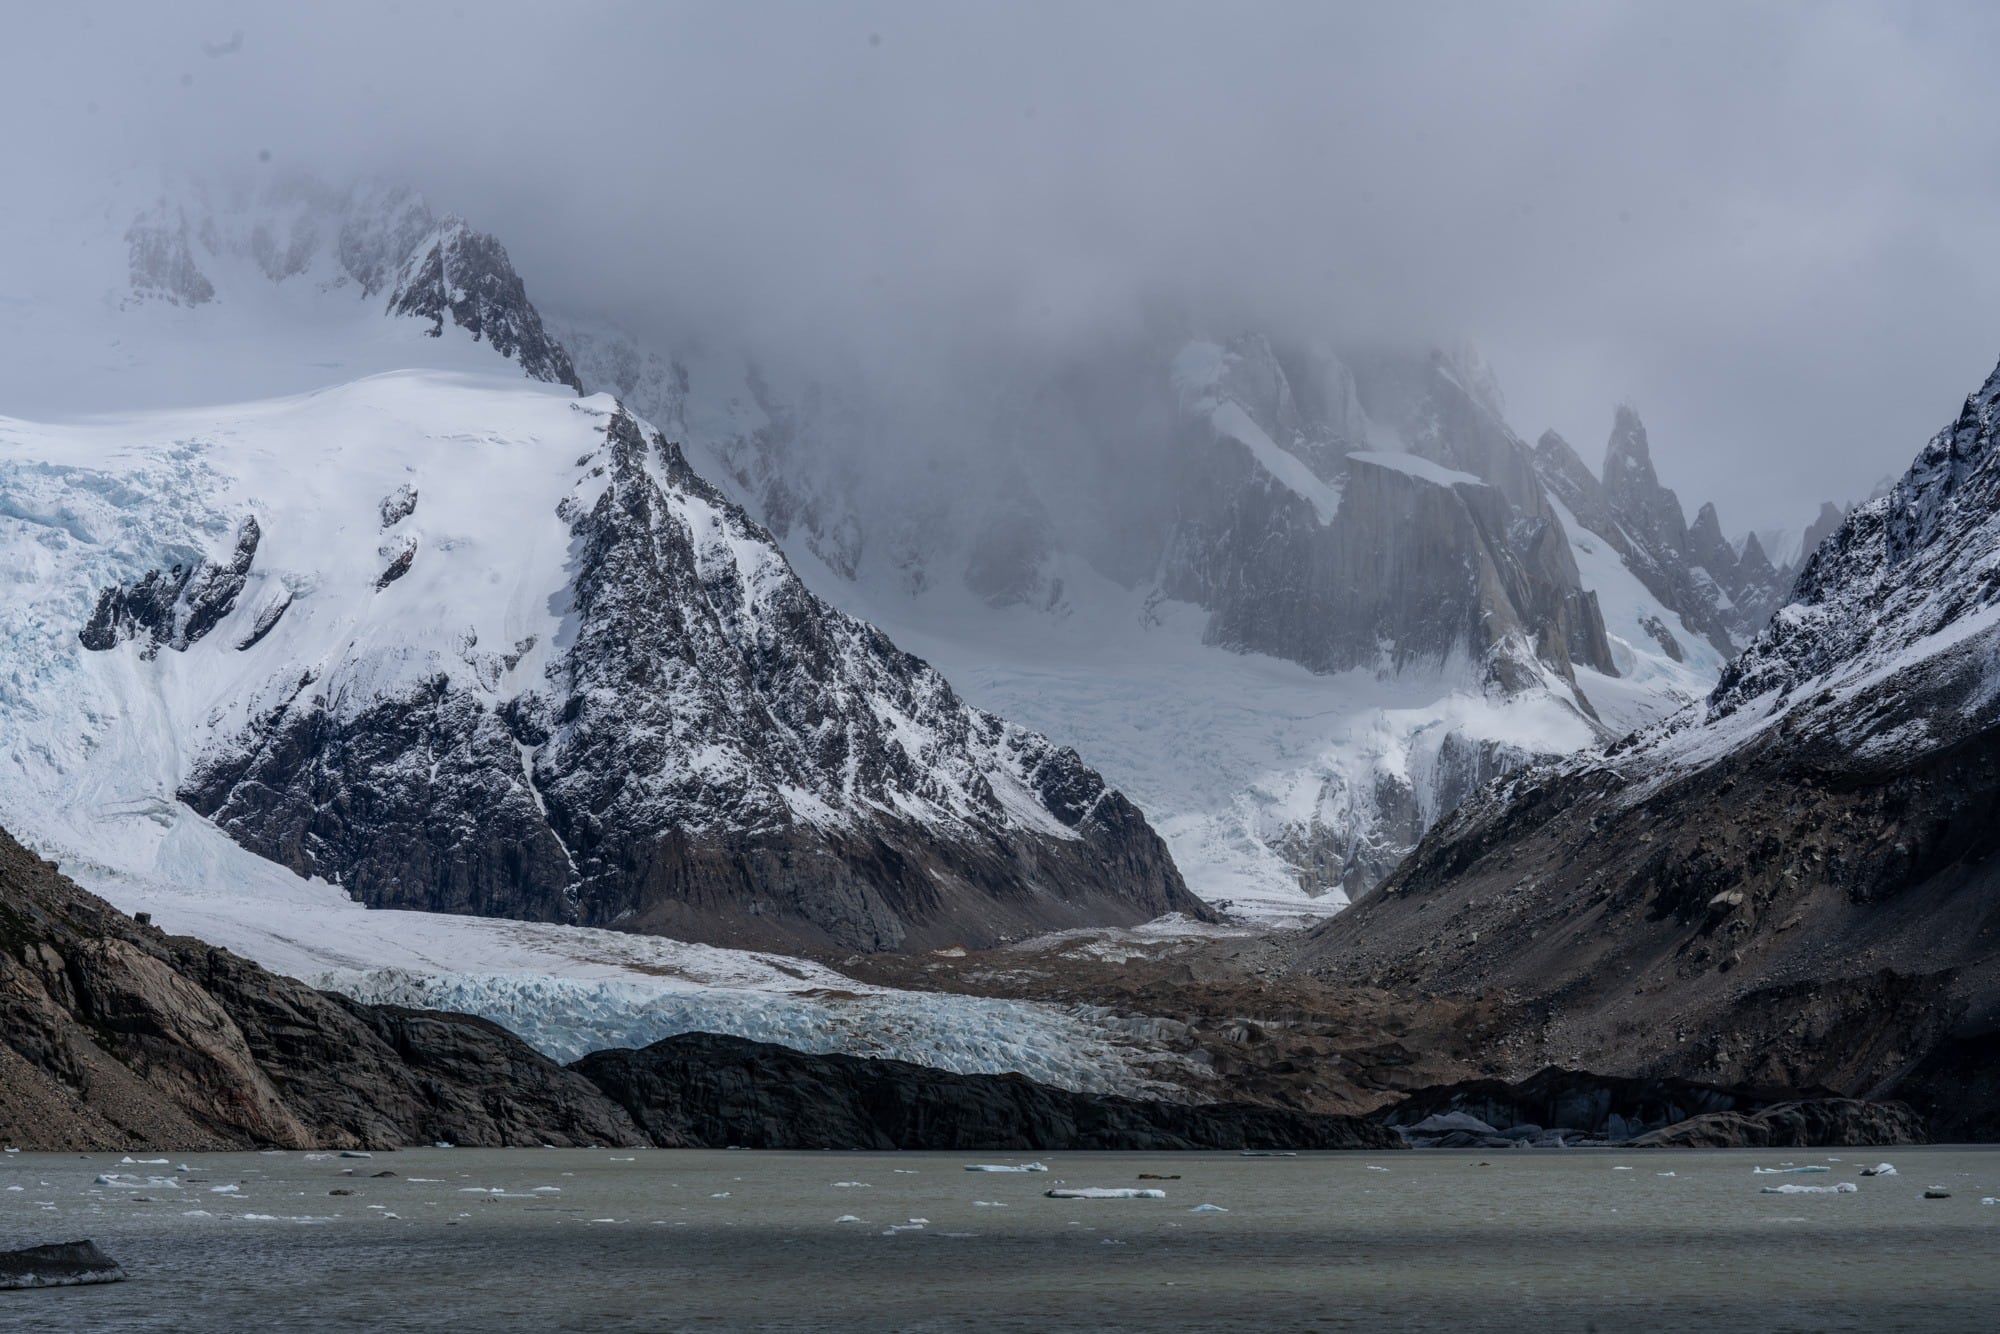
(472,645)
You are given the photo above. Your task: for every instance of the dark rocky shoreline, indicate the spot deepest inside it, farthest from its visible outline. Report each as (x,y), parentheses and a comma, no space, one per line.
(115,1035)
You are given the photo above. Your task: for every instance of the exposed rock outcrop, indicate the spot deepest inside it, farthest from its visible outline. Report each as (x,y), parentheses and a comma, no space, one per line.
(463,275)
(1570,1108)
(1812,1123)
(1308,545)
(703,1090)
(114,1035)
(175,607)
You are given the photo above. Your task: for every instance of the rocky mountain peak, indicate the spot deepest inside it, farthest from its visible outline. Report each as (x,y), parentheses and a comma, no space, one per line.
(1710,549)
(1753,565)
(465,275)
(1649,510)
(1900,579)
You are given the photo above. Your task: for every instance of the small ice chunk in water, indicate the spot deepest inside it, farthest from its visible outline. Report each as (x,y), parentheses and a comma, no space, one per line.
(1785,1171)
(1990,1200)
(129,1161)
(1002,1167)
(1879,1170)
(222,1190)
(1208,1209)
(1103,1193)
(719,1195)
(847,1218)
(1621,1169)
(1838,1188)
(852,1185)
(978,1204)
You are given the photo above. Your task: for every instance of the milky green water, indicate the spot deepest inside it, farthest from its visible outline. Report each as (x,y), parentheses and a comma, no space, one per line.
(661,1240)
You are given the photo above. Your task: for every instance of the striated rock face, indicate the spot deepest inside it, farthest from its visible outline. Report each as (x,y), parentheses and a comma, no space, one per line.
(1723,593)
(114,1035)
(1305,545)
(706,1091)
(1791,885)
(709,752)
(464,275)
(1642,522)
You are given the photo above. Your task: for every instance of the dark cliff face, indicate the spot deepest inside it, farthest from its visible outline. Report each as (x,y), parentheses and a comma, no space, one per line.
(714,754)
(173,608)
(1792,885)
(114,1035)
(707,1091)
(465,276)
(1418,564)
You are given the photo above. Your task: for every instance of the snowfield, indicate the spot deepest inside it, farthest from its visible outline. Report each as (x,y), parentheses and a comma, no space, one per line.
(1234,756)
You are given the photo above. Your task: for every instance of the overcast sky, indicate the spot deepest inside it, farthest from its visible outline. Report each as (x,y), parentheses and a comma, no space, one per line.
(1774,229)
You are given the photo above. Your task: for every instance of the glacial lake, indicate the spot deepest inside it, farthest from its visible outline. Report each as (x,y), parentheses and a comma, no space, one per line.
(671,1240)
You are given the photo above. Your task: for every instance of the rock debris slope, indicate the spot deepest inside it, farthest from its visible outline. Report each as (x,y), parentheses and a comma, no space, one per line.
(1791,884)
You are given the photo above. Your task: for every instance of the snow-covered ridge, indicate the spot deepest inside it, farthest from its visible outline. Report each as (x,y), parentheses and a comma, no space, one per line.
(467,644)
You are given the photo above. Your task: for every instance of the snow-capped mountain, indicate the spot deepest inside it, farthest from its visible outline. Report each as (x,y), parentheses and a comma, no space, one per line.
(467,646)
(1790,882)
(1298,601)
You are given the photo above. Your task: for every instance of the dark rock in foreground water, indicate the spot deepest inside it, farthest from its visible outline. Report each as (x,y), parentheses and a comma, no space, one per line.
(701,1090)
(59,1265)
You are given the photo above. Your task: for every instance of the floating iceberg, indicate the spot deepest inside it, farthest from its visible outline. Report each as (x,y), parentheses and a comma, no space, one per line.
(1001,1167)
(1838,1188)
(1208,1209)
(1879,1170)
(1104,1193)
(1785,1171)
